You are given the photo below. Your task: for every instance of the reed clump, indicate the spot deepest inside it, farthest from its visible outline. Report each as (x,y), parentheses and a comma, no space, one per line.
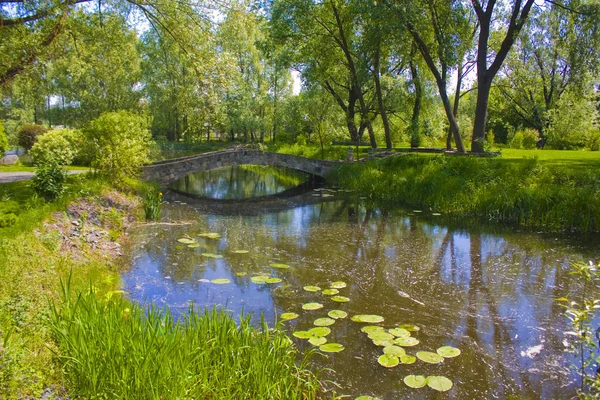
(111,348)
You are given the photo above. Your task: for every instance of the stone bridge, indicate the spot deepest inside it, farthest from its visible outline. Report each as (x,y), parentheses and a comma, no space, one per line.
(168,171)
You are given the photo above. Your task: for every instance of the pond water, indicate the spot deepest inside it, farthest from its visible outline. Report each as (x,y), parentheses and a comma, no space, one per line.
(490,294)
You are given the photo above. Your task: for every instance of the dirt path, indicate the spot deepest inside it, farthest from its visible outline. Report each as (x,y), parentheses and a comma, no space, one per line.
(8,177)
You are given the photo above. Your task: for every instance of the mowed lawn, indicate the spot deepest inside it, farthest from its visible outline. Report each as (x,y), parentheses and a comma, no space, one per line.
(571,159)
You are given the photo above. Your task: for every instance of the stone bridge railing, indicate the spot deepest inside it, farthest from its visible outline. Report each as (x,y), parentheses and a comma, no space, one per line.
(168,171)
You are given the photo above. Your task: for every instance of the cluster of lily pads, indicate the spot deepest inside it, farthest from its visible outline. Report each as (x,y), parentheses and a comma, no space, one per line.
(394,341)
(317,336)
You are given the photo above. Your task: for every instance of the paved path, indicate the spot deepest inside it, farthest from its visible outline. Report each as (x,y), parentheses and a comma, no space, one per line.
(8,177)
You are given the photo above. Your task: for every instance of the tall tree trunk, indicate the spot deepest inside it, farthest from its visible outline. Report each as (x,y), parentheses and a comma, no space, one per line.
(459,78)
(382,110)
(416,114)
(484,86)
(275,98)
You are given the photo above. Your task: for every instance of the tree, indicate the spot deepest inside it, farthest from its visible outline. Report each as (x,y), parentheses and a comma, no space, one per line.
(438,28)
(557,52)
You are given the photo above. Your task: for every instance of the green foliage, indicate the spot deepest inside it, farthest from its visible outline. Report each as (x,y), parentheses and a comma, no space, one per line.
(28,134)
(3,140)
(523,139)
(593,140)
(583,337)
(201,355)
(118,144)
(571,122)
(57,146)
(7,220)
(152,205)
(49,181)
(468,189)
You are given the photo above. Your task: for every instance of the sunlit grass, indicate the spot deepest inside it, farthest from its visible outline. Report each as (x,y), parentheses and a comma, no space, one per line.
(111,348)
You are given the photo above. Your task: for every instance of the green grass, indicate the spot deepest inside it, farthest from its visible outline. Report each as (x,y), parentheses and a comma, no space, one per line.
(29,168)
(572,159)
(523,192)
(110,348)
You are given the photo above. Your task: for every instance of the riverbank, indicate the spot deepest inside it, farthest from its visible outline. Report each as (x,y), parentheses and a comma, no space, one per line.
(66,328)
(521,192)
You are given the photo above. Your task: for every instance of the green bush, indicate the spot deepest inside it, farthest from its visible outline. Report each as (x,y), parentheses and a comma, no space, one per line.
(523,139)
(28,134)
(49,181)
(593,140)
(3,140)
(118,144)
(58,146)
(153,205)
(571,122)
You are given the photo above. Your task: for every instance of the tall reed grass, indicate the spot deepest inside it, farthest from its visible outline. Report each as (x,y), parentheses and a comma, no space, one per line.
(516,192)
(113,349)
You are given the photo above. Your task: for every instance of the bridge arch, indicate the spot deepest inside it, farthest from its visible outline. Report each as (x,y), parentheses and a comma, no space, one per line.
(169,171)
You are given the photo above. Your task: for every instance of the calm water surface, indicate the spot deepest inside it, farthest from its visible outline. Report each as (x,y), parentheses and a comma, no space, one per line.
(491,295)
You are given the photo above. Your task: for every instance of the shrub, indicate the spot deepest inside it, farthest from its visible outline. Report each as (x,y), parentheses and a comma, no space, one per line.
(28,135)
(118,144)
(570,122)
(58,146)
(3,140)
(515,140)
(530,138)
(593,140)
(48,181)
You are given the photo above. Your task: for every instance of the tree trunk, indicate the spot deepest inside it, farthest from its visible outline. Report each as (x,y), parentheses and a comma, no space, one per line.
(483,96)
(416,114)
(459,77)
(382,110)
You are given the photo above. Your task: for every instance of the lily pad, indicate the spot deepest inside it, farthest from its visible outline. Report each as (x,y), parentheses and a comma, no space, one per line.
(395,351)
(415,381)
(220,281)
(210,235)
(211,255)
(317,341)
(338,285)
(340,299)
(319,332)
(429,357)
(194,245)
(186,240)
(388,361)
(399,332)
(241,251)
(330,292)
(337,314)
(312,306)
(241,273)
(439,383)
(436,214)
(288,316)
(381,335)
(367,398)
(371,328)
(368,318)
(272,280)
(448,351)
(324,322)
(409,327)
(331,348)
(302,334)
(406,341)
(279,266)
(383,342)
(260,279)
(408,359)
(311,288)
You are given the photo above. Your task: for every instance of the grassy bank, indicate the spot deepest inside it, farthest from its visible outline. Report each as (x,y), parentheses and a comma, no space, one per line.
(56,343)
(519,191)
